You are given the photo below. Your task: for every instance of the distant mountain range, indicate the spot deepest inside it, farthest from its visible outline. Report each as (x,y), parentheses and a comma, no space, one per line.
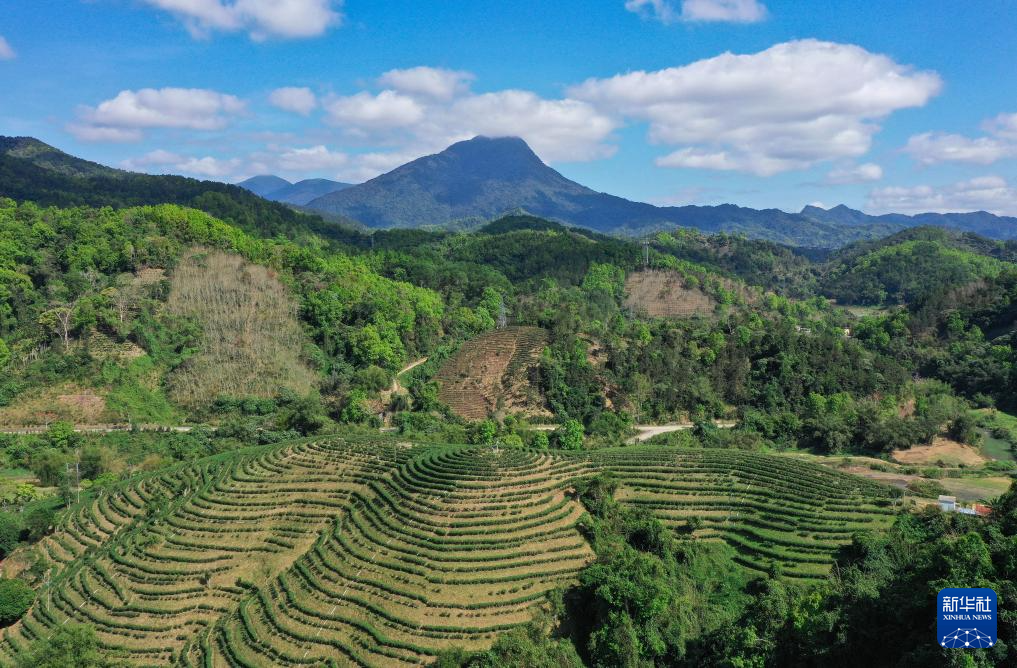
(467,184)
(482,178)
(300,193)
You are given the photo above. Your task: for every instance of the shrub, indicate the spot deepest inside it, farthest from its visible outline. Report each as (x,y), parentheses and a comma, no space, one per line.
(38,522)
(15,599)
(10,530)
(570,435)
(71,646)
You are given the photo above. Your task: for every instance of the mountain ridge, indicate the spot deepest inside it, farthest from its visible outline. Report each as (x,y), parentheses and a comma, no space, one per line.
(299,193)
(485,177)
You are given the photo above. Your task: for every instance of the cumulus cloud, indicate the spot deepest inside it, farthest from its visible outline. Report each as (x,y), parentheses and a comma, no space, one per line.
(730,11)
(986,193)
(311,159)
(261,19)
(846,174)
(386,110)
(930,148)
(298,100)
(123,117)
(432,82)
(788,107)
(1003,125)
(425,109)
(161,160)
(6,51)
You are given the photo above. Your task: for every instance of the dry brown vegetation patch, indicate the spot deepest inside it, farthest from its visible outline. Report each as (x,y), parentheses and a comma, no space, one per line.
(496,370)
(251,339)
(665,294)
(67,402)
(941,450)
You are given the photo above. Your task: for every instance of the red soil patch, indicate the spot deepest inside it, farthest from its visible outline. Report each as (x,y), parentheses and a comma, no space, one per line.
(496,370)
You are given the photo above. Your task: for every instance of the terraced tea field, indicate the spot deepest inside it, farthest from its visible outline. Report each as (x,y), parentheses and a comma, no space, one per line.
(772,510)
(375,553)
(495,369)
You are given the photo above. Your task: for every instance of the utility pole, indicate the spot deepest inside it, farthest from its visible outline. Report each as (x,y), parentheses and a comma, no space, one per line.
(646,253)
(77,472)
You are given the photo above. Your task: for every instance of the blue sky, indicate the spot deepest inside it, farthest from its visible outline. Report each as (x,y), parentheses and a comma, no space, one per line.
(883,106)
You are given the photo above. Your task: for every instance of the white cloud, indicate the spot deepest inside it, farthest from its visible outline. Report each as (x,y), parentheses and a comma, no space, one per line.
(387,109)
(261,19)
(298,100)
(426,109)
(93,133)
(788,107)
(6,50)
(311,159)
(123,117)
(432,82)
(557,130)
(207,167)
(986,193)
(846,174)
(930,148)
(731,11)
(1003,125)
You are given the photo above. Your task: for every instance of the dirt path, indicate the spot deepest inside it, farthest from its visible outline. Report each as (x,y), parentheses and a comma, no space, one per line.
(645,432)
(96,428)
(396,386)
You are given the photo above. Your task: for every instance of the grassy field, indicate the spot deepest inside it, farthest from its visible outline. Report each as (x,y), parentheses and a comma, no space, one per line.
(993,447)
(976,489)
(376,552)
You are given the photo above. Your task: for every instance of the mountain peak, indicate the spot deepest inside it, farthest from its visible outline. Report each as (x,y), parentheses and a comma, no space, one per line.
(503,155)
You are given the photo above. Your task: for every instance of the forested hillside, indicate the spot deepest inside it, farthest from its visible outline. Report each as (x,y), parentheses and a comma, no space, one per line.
(33,171)
(913,266)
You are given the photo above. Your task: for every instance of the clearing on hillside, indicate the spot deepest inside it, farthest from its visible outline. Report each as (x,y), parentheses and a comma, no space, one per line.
(331,552)
(496,370)
(66,401)
(943,450)
(251,339)
(663,293)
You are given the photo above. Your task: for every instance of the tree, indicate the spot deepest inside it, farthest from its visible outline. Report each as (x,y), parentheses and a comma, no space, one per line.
(50,467)
(303,414)
(38,522)
(570,435)
(15,599)
(483,432)
(60,319)
(10,531)
(123,296)
(5,354)
(61,435)
(71,646)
